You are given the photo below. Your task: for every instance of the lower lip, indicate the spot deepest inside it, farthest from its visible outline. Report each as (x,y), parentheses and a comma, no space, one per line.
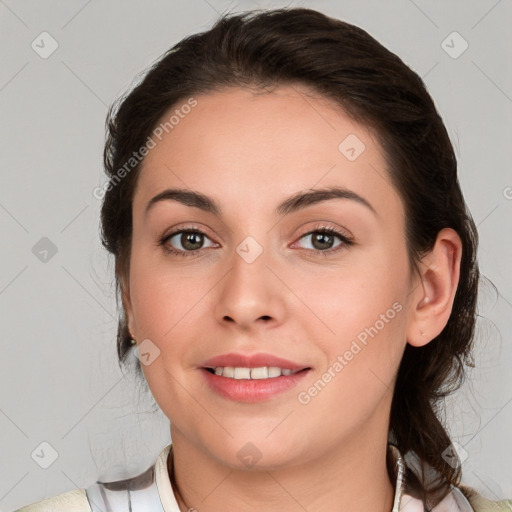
(252,390)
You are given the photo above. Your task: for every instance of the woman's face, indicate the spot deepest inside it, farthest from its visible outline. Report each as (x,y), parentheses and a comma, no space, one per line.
(262,277)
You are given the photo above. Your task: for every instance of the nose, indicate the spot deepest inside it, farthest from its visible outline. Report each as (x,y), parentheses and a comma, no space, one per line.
(250,293)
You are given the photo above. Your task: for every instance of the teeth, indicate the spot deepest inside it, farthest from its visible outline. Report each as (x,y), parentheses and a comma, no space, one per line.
(242,373)
(263,372)
(274,371)
(227,371)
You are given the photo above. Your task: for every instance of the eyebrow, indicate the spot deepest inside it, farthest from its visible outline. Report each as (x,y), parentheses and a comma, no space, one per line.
(294,203)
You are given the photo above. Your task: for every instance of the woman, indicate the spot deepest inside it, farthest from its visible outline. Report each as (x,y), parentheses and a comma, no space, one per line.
(297,267)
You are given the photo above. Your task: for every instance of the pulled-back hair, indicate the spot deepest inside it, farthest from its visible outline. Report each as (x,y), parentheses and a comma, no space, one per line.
(265,49)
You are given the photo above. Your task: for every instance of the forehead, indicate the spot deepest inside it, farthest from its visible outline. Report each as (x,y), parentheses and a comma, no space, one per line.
(235,145)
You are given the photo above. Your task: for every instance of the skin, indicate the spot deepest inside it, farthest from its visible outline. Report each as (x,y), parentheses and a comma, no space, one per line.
(249,153)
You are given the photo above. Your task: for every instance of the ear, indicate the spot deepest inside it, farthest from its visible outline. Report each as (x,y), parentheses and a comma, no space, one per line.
(434,292)
(127,305)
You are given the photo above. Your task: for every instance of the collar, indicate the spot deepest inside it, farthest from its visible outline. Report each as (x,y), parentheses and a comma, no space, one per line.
(399,474)
(454,501)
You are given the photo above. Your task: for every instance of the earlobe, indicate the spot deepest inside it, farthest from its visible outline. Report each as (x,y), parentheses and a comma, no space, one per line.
(433,297)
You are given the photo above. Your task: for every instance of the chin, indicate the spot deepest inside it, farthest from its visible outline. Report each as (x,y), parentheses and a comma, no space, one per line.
(257,452)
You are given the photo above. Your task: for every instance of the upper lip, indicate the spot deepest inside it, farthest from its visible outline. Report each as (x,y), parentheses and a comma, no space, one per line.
(252,361)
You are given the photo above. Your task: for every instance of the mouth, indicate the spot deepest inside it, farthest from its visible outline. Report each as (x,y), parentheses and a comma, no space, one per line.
(257,373)
(251,385)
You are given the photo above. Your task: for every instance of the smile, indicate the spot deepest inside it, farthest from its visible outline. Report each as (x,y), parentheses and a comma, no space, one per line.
(262,372)
(238,383)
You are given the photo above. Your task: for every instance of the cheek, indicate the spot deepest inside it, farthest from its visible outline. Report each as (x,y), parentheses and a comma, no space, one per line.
(166,305)
(356,296)
(360,323)
(355,381)
(172,306)
(160,296)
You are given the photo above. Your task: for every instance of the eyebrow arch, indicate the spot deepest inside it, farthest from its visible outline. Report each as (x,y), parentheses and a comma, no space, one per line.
(294,203)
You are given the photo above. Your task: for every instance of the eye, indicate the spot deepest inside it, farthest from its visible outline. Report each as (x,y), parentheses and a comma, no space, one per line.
(190,240)
(322,239)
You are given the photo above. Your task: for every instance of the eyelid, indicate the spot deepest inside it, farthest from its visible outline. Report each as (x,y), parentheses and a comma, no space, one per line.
(180,229)
(345,238)
(185,227)
(326,225)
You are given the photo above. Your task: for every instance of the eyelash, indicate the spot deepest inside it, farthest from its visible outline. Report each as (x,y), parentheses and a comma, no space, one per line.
(346,242)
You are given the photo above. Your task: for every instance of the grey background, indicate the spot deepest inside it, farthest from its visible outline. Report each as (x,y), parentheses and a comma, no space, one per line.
(60,382)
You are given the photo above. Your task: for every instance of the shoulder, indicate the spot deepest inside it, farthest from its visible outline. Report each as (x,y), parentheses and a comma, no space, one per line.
(71,501)
(460,499)
(482,504)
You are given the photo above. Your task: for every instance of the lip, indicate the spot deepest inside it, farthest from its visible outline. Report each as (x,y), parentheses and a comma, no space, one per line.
(253,361)
(252,390)
(249,390)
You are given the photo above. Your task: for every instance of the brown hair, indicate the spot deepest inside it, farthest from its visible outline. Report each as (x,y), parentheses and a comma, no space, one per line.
(262,49)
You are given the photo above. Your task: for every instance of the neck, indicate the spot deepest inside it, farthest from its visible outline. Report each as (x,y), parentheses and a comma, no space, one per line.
(352,478)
